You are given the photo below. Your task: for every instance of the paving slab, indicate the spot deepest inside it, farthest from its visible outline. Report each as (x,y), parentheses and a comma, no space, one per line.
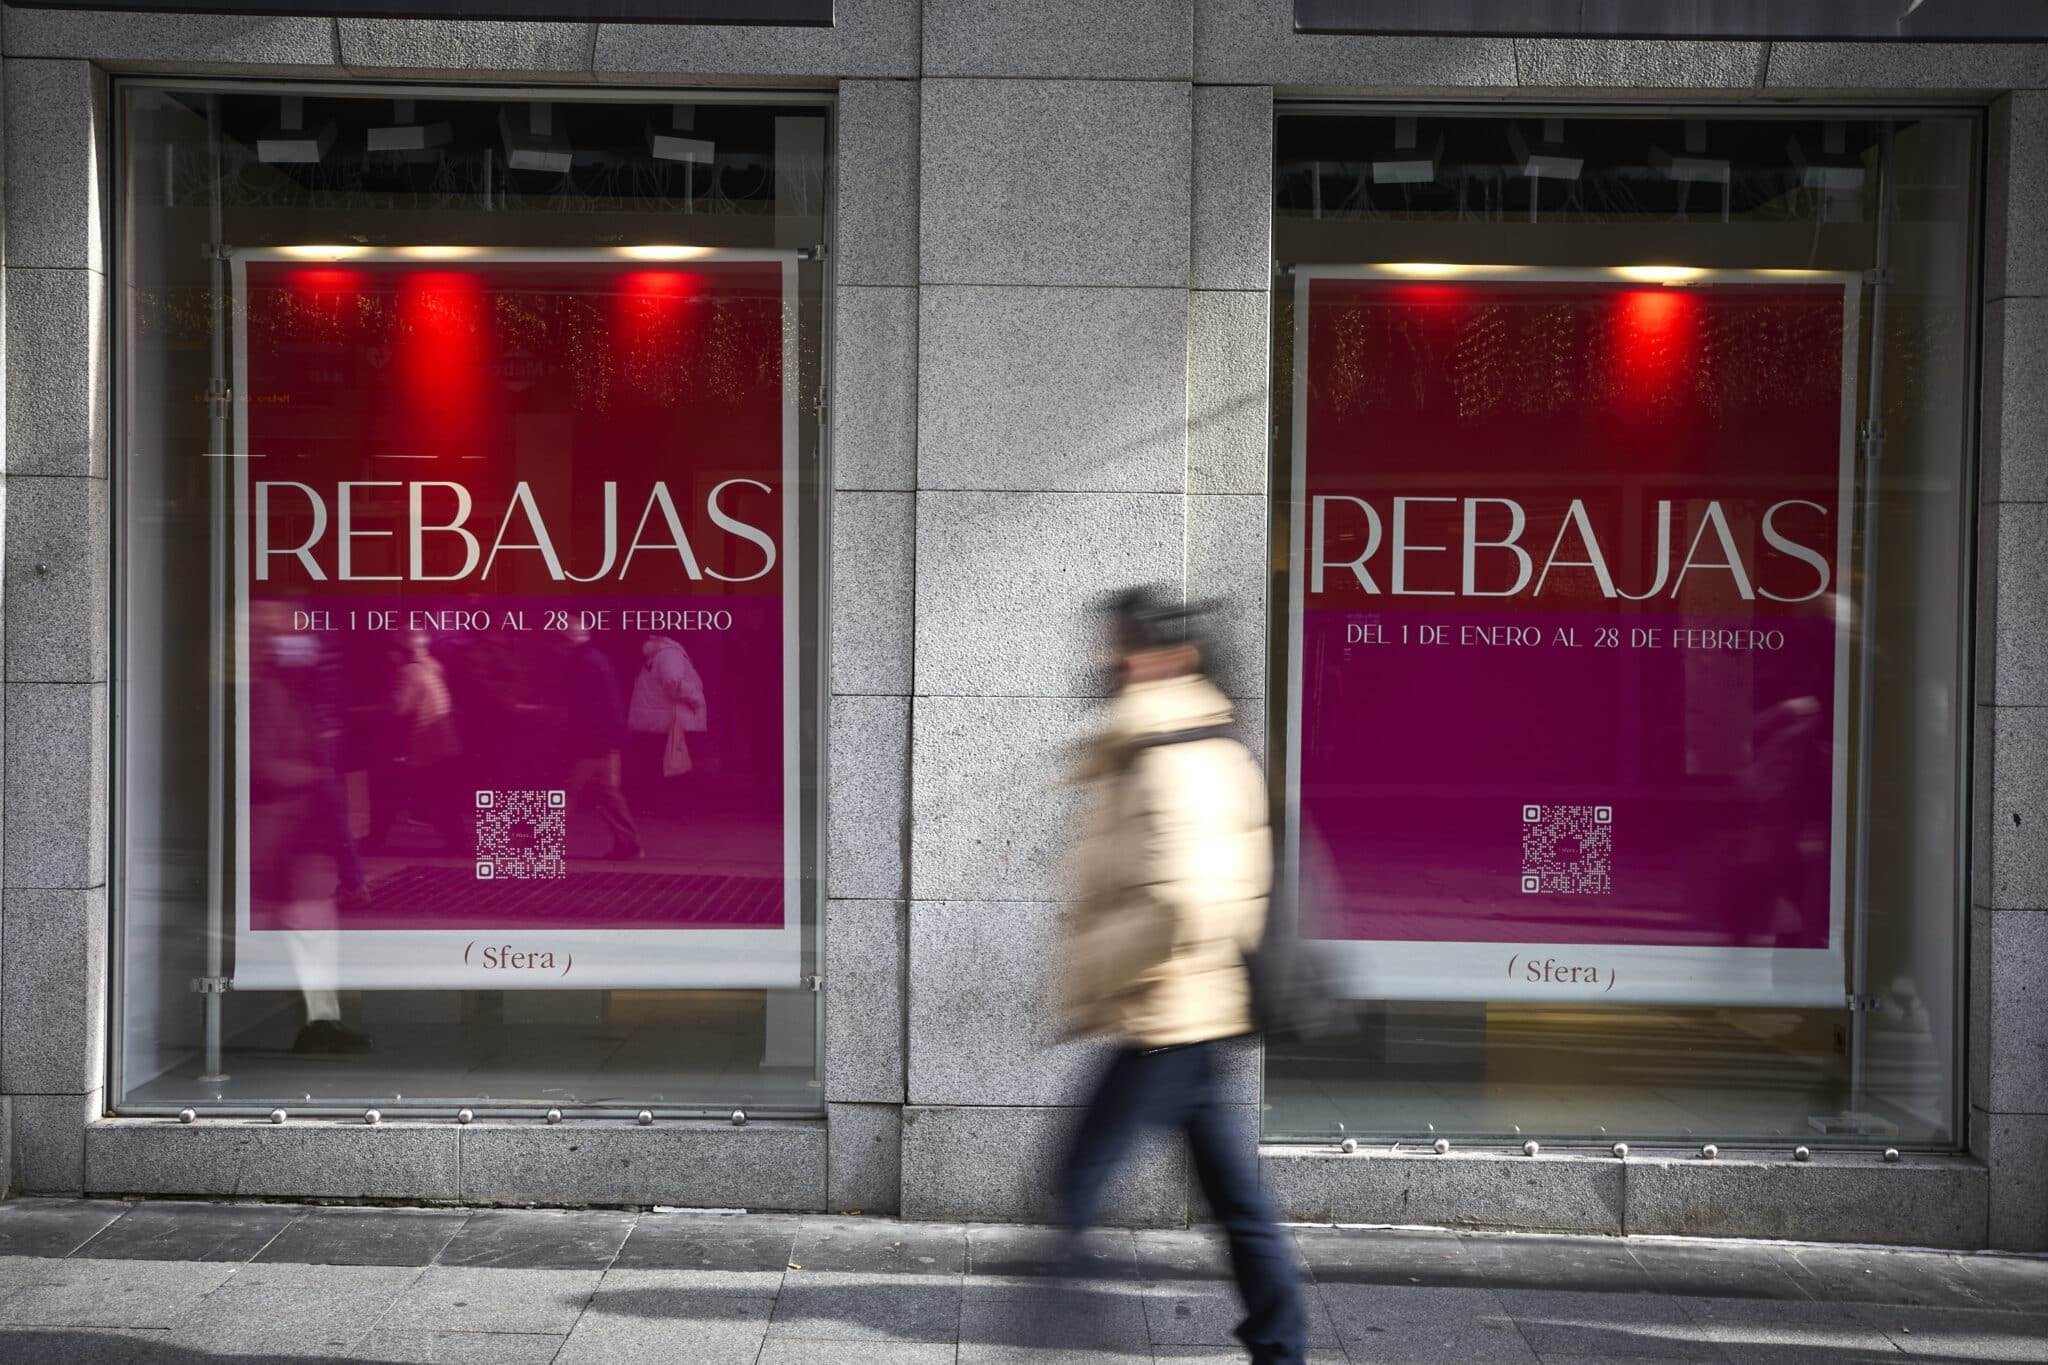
(1362,1256)
(1389,1322)
(365,1237)
(975,1353)
(1605,1265)
(82,1345)
(845,1306)
(1561,1321)
(685,1293)
(653,1315)
(2015,1282)
(53,1227)
(1168,1254)
(285,1310)
(459,1348)
(191,1232)
(1718,1270)
(1057,1316)
(670,1241)
(880,1246)
(1923,1279)
(1024,1254)
(1198,1314)
(1190,1355)
(490,1299)
(745,1284)
(522,1239)
(1958,1333)
(1783,1331)
(18,1271)
(794,1352)
(87,1293)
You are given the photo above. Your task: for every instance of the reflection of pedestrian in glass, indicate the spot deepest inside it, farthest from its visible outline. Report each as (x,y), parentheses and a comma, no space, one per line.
(293,845)
(596,734)
(424,714)
(352,887)
(1783,837)
(1172,883)
(667,708)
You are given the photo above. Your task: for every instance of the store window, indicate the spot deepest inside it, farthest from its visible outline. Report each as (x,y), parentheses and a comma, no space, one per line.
(1623,537)
(468,547)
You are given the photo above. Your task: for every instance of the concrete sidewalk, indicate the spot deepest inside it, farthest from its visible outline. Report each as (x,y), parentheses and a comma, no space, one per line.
(102,1281)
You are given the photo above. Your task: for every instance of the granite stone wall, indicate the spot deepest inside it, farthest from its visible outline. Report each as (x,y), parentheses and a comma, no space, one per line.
(1049,366)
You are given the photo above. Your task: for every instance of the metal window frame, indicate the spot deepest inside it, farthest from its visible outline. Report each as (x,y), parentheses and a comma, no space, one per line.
(1279,485)
(814,616)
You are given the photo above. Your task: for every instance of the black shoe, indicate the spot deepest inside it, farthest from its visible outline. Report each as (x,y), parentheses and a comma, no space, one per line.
(330,1036)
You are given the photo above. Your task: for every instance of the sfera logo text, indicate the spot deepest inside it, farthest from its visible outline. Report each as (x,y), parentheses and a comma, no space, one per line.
(657,530)
(1495,562)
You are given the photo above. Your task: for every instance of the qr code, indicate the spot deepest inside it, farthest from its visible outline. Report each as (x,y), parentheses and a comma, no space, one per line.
(1568,850)
(521,836)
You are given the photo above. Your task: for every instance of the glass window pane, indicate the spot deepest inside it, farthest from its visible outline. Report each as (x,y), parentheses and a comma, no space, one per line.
(468,592)
(1625,496)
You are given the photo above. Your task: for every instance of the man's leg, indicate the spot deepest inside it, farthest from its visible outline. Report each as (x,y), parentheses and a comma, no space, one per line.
(1275,1326)
(610,802)
(1114,1114)
(348,864)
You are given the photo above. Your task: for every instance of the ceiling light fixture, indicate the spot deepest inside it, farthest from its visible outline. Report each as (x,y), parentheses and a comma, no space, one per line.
(532,142)
(1408,158)
(1830,166)
(674,143)
(289,141)
(1550,157)
(1430,270)
(663,253)
(1692,165)
(1660,274)
(329,251)
(405,133)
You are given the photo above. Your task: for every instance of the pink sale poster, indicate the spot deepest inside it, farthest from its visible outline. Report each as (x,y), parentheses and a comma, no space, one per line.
(516,651)
(1568,718)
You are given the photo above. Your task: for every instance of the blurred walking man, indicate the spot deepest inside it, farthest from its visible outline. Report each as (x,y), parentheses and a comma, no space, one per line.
(1172,880)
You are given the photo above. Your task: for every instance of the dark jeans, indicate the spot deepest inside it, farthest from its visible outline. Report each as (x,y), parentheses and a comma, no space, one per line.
(1175,1087)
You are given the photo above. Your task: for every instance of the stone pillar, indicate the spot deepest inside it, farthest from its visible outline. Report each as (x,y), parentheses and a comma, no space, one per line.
(1054,265)
(871,570)
(2008,1083)
(1228,554)
(53,903)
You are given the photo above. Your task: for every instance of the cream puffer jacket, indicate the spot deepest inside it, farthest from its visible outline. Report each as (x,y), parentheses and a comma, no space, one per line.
(1171,878)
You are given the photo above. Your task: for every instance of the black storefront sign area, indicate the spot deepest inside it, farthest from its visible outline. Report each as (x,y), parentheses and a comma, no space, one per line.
(763,13)
(1912,20)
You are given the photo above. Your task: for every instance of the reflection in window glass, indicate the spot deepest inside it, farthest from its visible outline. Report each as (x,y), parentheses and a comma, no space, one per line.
(468,602)
(1625,521)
